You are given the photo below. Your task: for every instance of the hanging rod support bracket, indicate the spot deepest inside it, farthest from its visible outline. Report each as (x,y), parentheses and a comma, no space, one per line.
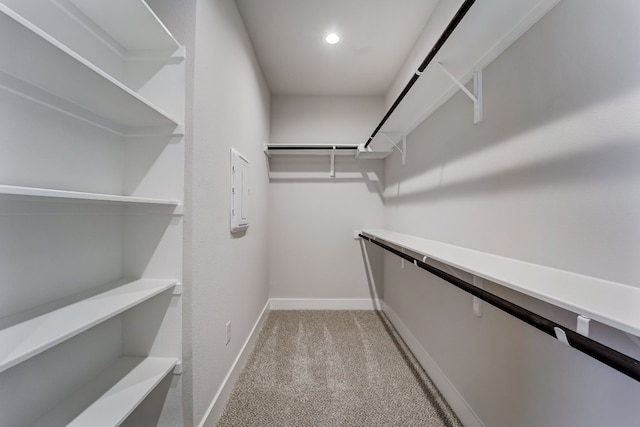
(402,150)
(332,170)
(583,325)
(476,96)
(561,335)
(477,302)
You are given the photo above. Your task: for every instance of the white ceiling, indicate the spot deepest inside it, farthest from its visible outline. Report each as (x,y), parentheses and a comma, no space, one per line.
(377,36)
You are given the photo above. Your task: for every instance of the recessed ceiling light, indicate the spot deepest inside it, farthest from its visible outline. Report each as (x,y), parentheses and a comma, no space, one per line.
(332,38)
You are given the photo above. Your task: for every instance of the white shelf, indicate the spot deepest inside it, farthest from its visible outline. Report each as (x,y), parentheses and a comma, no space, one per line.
(356,150)
(489,28)
(111,397)
(40,68)
(131,23)
(29,338)
(610,303)
(45,193)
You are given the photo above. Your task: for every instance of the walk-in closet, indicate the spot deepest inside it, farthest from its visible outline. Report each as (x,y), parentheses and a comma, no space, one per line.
(319,213)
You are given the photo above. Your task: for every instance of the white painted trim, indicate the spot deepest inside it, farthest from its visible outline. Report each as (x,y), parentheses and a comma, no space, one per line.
(324,304)
(219,401)
(465,413)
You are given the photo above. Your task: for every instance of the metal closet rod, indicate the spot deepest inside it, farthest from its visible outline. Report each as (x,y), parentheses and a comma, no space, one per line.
(462,11)
(613,358)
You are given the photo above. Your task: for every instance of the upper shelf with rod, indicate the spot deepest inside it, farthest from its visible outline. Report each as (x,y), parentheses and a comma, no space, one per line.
(475,36)
(610,303)
(330,150)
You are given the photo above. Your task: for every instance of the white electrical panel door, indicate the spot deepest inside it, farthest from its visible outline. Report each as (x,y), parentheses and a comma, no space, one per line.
(239,192)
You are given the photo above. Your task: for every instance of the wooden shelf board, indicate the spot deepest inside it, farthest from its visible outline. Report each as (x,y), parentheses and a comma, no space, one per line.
(610,303)
(112,396)
(29,338)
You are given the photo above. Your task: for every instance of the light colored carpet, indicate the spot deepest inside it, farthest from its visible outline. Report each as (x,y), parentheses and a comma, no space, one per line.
(333,368)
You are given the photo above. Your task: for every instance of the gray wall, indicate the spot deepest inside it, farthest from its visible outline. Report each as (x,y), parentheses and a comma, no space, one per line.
(226,274)
(550,177)
(312,253)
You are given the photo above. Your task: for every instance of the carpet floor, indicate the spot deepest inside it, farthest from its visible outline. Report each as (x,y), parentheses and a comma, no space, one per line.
(333,368)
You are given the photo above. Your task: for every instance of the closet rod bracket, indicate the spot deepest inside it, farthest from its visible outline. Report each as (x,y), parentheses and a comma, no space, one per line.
(402,150)
(476,96)
(332,170)
(583,325)
(477,302)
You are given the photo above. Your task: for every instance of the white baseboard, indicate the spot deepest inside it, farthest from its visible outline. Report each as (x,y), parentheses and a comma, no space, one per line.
(324,304)
(219,401)
(460,406)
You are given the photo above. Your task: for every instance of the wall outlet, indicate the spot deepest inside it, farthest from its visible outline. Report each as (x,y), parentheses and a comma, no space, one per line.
(228,333)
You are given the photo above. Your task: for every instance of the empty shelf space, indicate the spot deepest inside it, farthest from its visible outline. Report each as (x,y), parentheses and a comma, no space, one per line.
(52,74)
(112,396)
(611,303)
(44,193)
(31,337)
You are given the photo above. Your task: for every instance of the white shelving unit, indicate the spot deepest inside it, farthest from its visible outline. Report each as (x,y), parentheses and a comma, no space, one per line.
(92,101)
(27,339)
(610,303)
(43,69)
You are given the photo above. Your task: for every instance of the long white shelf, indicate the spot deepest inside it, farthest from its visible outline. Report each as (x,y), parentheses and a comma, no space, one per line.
(39,67)
(29,338)
(310,149)
(44,193)
(489,28)
(111,397)
(327,150)
(611,303)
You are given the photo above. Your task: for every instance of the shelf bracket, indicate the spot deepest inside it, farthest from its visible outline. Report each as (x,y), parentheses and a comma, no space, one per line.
(332,170)
(402,150)
(476,97)
(477,302)
(583,325)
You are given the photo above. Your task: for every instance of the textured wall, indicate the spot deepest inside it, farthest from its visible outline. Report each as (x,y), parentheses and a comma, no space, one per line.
(312,253)
(550,176)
